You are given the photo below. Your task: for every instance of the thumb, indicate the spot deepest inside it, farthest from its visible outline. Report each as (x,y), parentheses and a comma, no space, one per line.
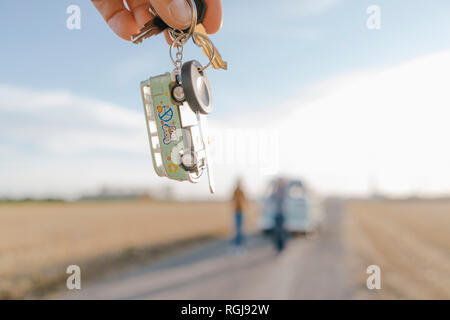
(176,13)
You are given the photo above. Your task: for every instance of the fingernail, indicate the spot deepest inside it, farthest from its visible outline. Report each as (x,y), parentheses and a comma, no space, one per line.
(180,12)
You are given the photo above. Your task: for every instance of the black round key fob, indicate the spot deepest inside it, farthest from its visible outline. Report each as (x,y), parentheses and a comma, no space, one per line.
(197,89)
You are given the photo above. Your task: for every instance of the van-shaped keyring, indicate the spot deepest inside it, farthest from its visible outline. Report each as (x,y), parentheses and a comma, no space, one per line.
(176,105)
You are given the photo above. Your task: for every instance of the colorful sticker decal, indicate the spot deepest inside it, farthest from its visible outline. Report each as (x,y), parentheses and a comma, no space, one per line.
(167,120)
(165,113)
(170,134)
(173,167)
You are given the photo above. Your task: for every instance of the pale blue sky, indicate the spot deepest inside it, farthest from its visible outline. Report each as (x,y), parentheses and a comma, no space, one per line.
(276,51)
(263,41)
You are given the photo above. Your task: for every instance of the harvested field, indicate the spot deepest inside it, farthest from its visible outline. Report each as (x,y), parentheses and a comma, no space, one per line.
(38,240)
(409,240)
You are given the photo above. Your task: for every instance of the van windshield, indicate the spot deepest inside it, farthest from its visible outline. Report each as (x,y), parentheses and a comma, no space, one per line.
(296,191)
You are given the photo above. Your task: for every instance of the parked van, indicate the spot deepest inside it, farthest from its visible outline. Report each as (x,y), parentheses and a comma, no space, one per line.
(302,209)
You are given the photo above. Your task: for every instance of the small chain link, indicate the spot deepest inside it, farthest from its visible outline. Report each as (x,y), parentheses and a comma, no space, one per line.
(179,43)
(179,56)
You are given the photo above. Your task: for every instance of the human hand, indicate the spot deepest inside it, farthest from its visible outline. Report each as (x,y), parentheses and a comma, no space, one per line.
(176,13)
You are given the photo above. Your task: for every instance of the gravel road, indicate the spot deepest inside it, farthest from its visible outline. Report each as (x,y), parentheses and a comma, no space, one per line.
(311,267)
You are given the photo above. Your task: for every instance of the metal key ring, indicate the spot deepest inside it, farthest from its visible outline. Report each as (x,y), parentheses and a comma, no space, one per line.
(175,34)
(178,40)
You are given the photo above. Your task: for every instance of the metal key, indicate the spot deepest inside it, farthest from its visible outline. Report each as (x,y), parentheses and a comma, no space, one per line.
(149,29)
(217,61)
(157,25)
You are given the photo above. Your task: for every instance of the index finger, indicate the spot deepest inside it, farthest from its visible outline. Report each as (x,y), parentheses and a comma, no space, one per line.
(213,16)
(121,20)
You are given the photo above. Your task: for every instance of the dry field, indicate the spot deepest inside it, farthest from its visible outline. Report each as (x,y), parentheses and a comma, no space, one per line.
(39,240)
(409,240)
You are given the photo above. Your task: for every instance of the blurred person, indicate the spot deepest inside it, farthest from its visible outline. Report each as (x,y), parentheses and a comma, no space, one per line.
(239,201)
(278,197)
(126,20)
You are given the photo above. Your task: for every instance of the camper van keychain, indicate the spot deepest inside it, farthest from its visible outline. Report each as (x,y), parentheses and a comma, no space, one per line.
(176,104)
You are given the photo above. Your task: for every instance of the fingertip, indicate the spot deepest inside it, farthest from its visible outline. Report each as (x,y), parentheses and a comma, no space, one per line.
(168,38)
(124,25)
(213,16)
(176,13)
(140,11)
(119,19)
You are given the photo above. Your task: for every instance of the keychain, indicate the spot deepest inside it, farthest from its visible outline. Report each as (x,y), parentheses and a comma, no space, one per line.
(176,105)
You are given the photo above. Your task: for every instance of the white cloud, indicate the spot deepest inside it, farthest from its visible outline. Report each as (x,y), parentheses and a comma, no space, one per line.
(391,124)
(386,125)
(55,143)
(381,128)
(61,122)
